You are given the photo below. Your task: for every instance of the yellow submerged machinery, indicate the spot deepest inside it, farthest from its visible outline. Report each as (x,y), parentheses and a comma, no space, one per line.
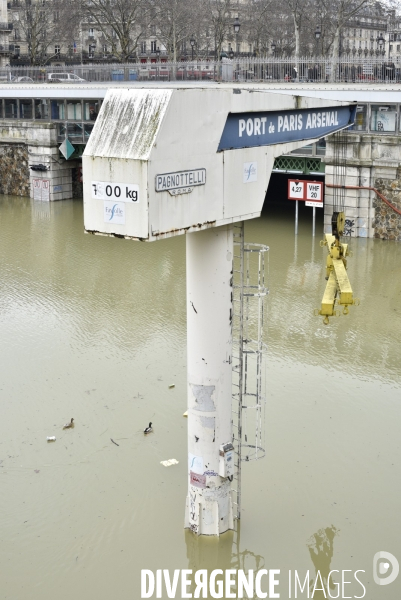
(338,290)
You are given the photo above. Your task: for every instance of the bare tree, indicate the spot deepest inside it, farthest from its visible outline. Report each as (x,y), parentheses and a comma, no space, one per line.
(341,11)
(43,25)
(122,23)
(299,10)
(261,24)
(175,20)
(219,15)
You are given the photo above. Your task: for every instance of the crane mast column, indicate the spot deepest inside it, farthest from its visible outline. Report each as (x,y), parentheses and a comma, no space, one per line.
(209,256)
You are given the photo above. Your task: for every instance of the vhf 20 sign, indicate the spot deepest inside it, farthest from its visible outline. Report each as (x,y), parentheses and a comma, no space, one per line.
(311,192)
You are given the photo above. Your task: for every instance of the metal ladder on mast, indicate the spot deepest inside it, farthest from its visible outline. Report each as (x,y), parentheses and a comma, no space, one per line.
(249,295)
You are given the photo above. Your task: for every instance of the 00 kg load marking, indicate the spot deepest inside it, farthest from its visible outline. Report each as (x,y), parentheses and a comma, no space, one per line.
(123,192)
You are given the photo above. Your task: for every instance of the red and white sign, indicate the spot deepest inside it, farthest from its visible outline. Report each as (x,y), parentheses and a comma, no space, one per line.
(296,189)
(41,189)
(311,192)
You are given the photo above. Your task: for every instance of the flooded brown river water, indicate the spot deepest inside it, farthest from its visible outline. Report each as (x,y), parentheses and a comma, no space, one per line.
(95,329)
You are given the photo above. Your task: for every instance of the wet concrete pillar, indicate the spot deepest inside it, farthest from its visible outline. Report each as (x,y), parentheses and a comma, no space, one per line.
(209,256)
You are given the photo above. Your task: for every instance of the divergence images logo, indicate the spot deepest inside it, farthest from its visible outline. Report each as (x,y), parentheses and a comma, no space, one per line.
(250,172)
(385,564)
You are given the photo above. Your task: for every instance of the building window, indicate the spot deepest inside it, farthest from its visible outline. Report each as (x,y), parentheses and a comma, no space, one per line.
(17,50)
(41,109)
(143,47)
(57,49)
(105,50)
(11,109)
(74,110)
(57,109)
(91,110)
(383,118)
(91,32)
(25,108)
(360,118)
(153,46)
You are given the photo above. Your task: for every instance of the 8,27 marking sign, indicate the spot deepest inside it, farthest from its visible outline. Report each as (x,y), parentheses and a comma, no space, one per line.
(309,191)
(120,192)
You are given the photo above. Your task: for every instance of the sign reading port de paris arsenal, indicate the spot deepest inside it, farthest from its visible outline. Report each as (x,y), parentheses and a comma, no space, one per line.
(248,130)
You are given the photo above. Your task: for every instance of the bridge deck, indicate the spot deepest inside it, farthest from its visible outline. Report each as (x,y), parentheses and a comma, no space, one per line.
(359,92)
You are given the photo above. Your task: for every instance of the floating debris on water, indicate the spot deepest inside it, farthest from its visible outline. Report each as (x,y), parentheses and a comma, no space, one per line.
(168,463)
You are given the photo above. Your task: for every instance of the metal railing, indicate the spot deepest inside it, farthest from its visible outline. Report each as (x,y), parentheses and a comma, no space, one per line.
(347,69)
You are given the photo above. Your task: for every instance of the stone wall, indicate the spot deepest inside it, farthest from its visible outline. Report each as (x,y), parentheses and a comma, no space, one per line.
(38,141)
(14,170)
(387,223)
(371,161)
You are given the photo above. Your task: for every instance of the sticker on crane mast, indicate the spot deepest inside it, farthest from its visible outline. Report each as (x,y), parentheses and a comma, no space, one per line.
(195,463)
(197,480)
(115,192)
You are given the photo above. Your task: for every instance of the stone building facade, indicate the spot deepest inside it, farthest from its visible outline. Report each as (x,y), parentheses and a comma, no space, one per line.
(373,162)
(30,163)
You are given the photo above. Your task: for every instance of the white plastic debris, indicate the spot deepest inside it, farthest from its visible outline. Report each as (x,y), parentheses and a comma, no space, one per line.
(51,438)
(172,385)
(168,463)
(185,414)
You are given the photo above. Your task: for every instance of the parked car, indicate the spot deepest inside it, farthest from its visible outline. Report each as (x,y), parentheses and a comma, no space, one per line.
(64,78)
(22,79)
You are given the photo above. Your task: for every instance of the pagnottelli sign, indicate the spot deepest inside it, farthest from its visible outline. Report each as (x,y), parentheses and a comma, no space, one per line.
(248,130)
(180,182)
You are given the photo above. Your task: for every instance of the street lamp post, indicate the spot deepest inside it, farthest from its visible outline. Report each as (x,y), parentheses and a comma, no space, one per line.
(192,42)
(318,33)
(237,27)
(275,67)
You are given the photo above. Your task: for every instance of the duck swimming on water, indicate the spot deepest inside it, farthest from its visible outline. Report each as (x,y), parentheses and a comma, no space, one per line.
(68,425)
(148,429)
